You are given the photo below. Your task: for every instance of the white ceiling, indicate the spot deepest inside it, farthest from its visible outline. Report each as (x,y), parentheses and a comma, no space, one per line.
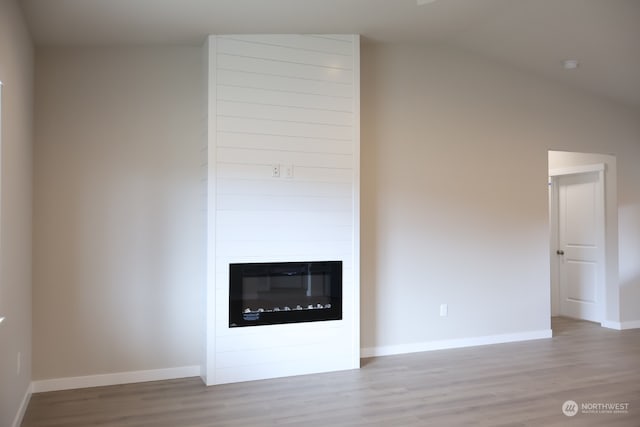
(534,35)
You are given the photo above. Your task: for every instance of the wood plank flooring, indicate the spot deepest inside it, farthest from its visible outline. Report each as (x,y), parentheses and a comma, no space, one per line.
(517,384)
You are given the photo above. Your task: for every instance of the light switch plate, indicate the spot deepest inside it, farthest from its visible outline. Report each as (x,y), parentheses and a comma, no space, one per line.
(444,310)
(288,171)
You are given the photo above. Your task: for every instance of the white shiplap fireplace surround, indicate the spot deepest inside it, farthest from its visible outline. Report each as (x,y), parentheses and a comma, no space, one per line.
(290,102)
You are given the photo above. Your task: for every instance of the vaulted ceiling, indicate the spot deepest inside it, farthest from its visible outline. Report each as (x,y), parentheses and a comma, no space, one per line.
(533,35)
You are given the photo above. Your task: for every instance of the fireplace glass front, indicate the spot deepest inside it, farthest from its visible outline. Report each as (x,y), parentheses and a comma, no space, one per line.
(284,292)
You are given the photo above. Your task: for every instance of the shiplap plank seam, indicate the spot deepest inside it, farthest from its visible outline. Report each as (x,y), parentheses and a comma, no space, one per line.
(304,41)
(289,83)
(285,136)
(283,53)
(326,168)
(327,67)
(286,106)
(277,150)
(337,155)
(283,99)
(284,75)
(239,63)
(286,46)
(285,121)
(245,109)
(284,91)
(297,92)
(340,38)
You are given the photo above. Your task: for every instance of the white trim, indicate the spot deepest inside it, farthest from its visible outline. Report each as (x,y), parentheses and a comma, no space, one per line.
(1,150)
(633,324)
(212,142)
(611,325)
(70,383)
(455,343)
(355,333)
(554,244)
(601,217)
(571,170)
(17,421)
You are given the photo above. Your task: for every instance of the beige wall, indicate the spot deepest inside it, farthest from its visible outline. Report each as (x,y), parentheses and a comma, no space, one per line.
(16,72)
(454,192)
(454,201)
(118,273)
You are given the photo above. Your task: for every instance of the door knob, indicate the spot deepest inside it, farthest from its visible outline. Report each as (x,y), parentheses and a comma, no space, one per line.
(560,252)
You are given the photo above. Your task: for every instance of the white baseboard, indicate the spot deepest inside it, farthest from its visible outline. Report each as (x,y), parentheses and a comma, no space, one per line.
(23,407)
(611,325)
(633,324)
(454,343)
(114,379)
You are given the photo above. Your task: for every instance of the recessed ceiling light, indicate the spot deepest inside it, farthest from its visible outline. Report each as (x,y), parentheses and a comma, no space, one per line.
(570,64)
(421,2)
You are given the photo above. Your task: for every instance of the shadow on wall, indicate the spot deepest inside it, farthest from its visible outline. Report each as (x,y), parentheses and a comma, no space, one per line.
(369,202)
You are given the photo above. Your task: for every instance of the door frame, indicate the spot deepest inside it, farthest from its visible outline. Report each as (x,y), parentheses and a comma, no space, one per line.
(554,175)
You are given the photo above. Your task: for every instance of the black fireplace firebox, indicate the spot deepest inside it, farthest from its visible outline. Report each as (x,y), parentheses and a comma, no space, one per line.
(284,292)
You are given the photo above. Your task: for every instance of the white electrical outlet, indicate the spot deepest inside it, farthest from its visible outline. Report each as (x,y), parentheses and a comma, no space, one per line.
(275,171)
(19,363)
(444,310)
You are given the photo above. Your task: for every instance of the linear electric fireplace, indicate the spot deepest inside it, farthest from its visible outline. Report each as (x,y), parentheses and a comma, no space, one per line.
(284,292)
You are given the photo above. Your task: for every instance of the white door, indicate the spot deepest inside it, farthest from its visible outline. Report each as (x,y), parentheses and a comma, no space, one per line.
(579,252)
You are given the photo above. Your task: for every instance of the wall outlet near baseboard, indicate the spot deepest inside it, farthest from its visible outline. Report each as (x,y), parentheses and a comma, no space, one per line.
(444,310)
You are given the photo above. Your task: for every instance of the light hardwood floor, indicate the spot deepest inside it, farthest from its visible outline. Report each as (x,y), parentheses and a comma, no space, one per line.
(517,384)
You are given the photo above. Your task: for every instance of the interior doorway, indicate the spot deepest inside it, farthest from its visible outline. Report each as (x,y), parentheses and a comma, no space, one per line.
(581,193)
